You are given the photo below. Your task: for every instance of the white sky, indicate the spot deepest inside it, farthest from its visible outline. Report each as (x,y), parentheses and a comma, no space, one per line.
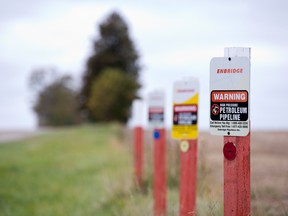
(175,39)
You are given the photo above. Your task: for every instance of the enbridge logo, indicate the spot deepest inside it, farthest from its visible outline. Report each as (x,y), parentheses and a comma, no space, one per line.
(185,90)
(229,70)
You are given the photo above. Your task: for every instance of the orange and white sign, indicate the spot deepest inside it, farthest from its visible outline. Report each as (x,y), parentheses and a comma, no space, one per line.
(185,109)
(229,96)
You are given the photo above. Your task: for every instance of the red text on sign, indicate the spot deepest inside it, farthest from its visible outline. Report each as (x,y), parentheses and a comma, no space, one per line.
(230,96)
(185,108)
(229,70)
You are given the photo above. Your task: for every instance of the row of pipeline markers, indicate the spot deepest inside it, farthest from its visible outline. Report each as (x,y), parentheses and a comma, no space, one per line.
(229,101)
(229,117)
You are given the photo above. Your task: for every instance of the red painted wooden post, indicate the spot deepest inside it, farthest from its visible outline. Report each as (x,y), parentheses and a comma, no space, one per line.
(185,128)
(138,156)
(159,172)
(188,177)
(237,171)
(237,178)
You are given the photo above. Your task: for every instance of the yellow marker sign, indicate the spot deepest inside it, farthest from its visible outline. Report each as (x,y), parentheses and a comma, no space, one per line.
(185,109)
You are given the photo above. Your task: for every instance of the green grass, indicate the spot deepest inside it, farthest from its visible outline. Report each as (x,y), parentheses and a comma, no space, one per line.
(88,170)
(72,171)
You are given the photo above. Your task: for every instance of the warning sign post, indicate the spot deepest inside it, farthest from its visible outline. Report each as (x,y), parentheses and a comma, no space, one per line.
(230,117)
(156,108)
(185,128)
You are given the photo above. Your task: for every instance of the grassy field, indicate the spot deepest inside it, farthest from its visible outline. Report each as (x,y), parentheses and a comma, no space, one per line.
(87,171)
(76,171)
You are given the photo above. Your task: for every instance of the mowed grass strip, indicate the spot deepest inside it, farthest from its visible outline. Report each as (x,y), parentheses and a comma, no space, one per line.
(72,171)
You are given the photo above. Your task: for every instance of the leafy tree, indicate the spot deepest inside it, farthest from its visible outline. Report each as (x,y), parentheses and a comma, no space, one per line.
(113,49)
(112,92)
(56,102)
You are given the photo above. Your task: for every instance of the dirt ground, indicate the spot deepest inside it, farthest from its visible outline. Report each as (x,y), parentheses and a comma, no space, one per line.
(269,170)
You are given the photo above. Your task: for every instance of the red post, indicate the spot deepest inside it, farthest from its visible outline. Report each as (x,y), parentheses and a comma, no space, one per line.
(188,177)
(138,156)
(159,172)
(237,171)
(237,178)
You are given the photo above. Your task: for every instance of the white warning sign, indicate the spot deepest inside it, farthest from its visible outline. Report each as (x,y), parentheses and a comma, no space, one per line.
(229,96)
(156,109)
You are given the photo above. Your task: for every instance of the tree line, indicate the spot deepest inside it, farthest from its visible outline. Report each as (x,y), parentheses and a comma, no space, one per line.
(109,83)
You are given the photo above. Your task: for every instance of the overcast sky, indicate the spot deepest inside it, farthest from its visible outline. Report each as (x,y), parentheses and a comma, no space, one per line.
(174,38)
